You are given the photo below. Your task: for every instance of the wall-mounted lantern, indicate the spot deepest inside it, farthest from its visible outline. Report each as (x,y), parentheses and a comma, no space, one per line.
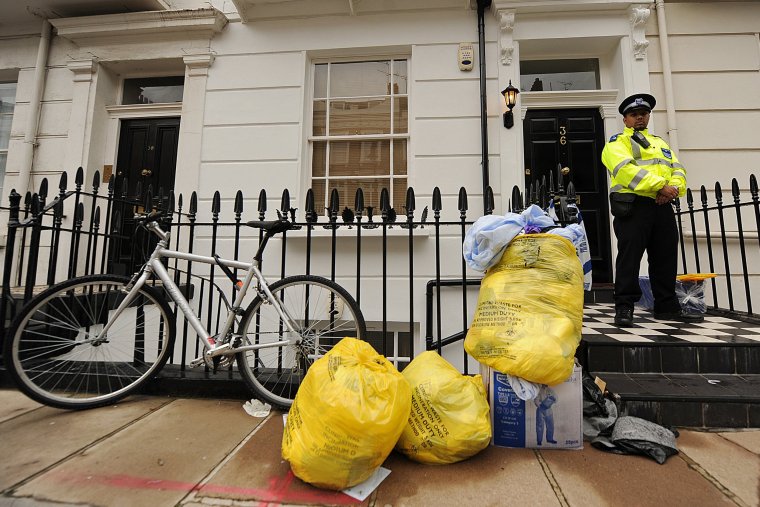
(510,98)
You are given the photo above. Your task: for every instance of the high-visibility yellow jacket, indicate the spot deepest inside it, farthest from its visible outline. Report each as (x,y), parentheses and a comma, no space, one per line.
(639,170)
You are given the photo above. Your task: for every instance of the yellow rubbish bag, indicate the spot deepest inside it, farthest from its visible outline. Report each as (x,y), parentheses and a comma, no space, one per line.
(530,310)
(347,416)
(449,420)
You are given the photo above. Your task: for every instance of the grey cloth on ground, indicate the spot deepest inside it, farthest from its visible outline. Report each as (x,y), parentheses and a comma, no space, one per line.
(632,435)
(593,425)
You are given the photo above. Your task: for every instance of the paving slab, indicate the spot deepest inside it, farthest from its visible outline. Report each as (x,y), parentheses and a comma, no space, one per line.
(257,472)
(598,478)
(196,453)
(157,460)
(750,440)
(497,476)
(13,403)
(30,502)
(37,439)
(733,466)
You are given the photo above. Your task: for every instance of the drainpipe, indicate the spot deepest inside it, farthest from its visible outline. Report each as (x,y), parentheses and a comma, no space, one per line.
(482,6)
(35,102)
(662,29)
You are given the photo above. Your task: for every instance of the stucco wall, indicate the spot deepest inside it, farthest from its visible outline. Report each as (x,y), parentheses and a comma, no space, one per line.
(258,108)
(715,60)
(17,60)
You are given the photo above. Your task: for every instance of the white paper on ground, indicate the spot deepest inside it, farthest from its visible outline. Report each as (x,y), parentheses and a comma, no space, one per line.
(256,408)
(363,490)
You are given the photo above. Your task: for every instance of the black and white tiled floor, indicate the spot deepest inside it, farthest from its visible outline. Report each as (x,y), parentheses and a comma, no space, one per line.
(599,326)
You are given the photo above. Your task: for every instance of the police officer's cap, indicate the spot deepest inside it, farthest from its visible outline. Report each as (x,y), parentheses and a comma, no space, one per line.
(637,101)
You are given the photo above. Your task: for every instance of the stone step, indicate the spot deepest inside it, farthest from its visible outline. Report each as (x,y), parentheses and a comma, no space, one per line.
(600,293)
(692,400)
(728,358)
(718,345)
(704,375)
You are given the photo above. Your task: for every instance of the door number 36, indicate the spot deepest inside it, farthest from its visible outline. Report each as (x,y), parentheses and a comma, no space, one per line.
(562,133)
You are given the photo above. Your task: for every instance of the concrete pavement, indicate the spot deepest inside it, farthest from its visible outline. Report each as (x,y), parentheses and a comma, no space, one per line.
(152,451)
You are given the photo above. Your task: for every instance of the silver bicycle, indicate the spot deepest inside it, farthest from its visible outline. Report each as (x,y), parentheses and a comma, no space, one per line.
(93,340)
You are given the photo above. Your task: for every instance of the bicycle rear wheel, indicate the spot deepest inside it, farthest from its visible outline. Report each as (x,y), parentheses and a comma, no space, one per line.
(56,354)
(324,313)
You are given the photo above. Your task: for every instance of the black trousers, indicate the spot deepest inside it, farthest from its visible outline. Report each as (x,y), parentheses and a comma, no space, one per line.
(649,228)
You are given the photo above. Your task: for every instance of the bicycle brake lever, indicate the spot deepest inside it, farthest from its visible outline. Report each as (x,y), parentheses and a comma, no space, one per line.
(143,218)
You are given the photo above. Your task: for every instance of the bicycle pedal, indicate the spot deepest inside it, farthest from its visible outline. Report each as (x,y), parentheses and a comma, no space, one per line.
(198,361)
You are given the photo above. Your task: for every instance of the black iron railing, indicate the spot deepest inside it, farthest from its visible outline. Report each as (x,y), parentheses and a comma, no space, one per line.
(714,238)
(370,248)
(405,267)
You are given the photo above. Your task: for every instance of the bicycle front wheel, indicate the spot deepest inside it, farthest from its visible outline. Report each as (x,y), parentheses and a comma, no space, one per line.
(57,354)
(322,313)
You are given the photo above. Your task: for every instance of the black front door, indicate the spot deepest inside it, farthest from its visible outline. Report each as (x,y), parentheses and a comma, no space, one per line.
(573,139)
(147,158)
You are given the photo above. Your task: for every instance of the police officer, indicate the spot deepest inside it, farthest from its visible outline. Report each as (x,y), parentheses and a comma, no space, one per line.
(645,176)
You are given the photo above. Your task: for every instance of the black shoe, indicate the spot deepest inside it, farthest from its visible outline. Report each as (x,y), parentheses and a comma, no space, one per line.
(551,441)
(624,317)
(680,316)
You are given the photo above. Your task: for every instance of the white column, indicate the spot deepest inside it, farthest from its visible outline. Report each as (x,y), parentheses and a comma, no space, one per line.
(80,121)
(511,170)
(191,125)
(612,120)
(638,16)
(506,18)
(667,75)
(35,103)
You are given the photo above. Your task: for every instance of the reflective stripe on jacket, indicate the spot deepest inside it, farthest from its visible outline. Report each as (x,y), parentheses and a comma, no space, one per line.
(639,170)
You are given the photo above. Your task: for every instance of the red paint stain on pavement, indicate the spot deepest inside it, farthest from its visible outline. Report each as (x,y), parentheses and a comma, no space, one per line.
(279,489)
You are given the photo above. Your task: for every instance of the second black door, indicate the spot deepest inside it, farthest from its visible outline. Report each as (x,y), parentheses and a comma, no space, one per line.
(147,158)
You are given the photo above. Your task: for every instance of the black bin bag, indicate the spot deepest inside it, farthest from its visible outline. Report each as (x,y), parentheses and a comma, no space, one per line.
(632,435)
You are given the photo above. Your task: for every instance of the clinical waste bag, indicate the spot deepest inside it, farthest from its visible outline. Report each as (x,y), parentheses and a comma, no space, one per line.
(530,310)
(449,420)
(346,417)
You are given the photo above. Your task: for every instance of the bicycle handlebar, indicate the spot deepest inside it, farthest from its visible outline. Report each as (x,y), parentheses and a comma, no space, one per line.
(148,221)
(144,218)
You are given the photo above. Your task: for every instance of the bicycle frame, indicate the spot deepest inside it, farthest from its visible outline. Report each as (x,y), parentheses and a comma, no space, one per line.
(155,266)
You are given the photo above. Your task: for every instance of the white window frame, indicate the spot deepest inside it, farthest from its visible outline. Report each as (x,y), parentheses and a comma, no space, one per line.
(4,151)
(311,138)
(398,331)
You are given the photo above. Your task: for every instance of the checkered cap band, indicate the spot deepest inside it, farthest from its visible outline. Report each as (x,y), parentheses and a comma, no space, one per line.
(637,104)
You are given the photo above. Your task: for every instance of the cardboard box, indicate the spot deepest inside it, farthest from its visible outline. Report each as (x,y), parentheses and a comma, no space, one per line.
(514,421)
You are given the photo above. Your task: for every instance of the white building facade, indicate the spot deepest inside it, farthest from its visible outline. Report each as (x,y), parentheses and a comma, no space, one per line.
(322,94)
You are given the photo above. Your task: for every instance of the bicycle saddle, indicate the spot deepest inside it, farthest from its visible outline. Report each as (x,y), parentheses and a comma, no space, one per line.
(271,227)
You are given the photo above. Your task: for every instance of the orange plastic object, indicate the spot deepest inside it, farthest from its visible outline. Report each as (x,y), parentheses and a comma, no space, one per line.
(695,277)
